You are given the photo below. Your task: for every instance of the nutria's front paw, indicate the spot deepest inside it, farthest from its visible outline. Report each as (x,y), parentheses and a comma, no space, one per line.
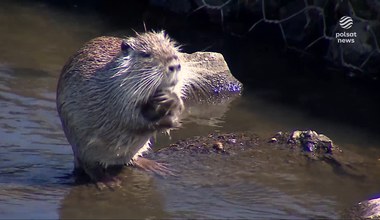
(168,102)
(167,122)
(163,108)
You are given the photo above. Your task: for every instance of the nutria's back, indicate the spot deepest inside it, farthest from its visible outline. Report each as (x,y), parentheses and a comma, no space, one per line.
(93,56)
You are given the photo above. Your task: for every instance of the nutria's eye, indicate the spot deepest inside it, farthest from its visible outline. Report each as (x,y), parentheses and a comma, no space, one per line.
(146,55)
(124,46)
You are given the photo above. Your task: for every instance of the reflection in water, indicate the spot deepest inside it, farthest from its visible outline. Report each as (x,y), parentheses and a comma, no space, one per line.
(137,199)
(36,160)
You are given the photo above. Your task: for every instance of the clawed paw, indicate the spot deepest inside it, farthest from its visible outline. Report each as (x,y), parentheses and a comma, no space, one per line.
(163,109)
(168,101)
(153,166)
(168,122)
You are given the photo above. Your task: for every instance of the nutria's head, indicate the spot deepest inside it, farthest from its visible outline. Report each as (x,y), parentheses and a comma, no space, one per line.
(149,62)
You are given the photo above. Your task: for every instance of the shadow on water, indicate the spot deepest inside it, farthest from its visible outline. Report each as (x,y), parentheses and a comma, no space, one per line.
(36,160)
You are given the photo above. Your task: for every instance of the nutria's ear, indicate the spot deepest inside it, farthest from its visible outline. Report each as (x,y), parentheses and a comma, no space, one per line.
(125,46)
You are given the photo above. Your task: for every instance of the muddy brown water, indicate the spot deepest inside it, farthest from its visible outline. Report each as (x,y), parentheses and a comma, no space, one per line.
(36,160)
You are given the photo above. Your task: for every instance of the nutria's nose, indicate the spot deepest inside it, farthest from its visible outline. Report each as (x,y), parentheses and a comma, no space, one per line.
(174,68)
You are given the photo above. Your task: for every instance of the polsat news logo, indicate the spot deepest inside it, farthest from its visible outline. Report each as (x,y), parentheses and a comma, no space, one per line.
(344,37)
(346,22)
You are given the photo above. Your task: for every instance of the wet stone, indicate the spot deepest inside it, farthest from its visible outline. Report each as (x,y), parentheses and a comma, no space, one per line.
(218,146)
(306,141)
(368,209)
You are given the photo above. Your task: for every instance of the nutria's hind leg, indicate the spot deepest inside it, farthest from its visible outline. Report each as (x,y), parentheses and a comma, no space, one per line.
(149,165)
(103,177)
(152,166)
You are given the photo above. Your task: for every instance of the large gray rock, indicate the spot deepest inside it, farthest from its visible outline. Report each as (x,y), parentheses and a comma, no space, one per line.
(216,82)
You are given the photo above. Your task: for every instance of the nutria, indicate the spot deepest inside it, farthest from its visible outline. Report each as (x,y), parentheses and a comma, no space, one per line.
(113,95)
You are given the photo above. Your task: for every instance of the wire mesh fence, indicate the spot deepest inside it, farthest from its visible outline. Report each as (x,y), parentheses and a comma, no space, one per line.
(305,25)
